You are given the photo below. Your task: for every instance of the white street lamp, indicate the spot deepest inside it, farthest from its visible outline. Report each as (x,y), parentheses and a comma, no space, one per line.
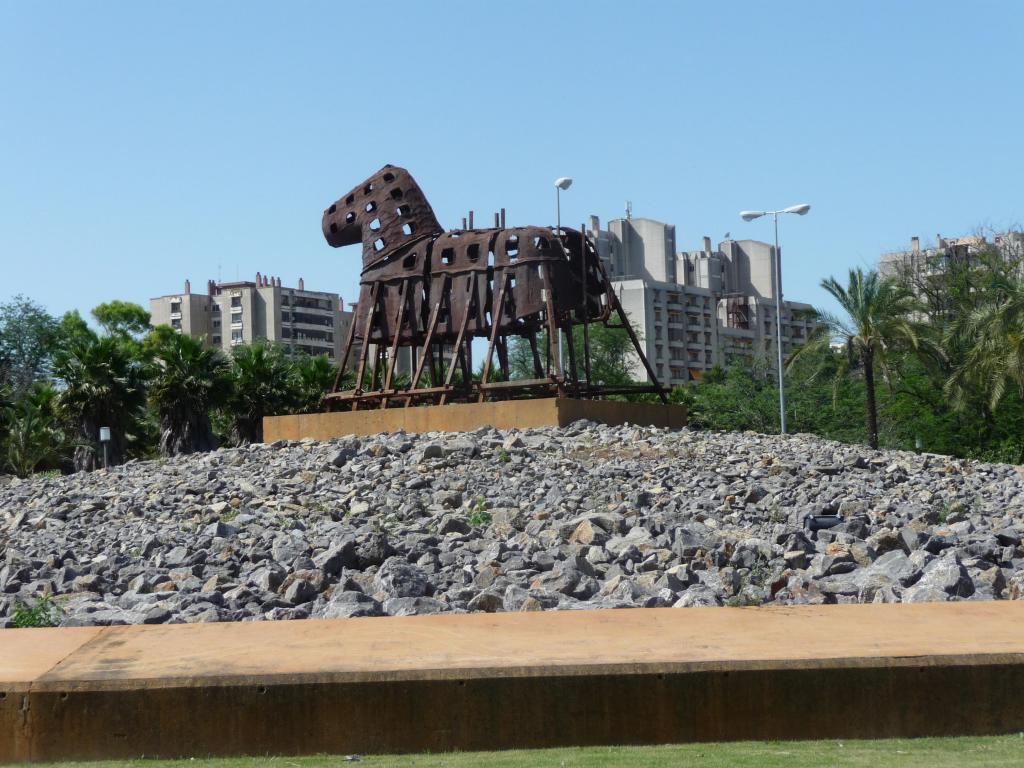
(563,182)
(799,210)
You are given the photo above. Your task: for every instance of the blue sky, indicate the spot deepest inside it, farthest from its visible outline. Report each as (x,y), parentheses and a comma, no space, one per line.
(143,143)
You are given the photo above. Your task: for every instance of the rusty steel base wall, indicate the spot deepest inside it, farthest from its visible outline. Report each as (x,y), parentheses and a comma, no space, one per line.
(468,417)
(500,681)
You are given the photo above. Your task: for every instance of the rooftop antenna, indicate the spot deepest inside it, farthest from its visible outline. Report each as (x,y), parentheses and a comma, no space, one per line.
(629,209)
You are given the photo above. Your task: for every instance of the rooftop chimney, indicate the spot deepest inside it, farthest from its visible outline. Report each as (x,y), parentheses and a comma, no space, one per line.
(209,287)
(915,244)
(188,287)
(595,224)
(939,242)
(259,279)
(302,284)
(707,245)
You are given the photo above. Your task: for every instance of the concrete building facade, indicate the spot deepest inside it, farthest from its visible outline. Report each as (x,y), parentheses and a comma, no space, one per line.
(932,260)
(696,310)
(241,312)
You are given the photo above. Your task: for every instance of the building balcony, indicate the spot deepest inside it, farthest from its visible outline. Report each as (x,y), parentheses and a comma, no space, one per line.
(307,324)
(315,310)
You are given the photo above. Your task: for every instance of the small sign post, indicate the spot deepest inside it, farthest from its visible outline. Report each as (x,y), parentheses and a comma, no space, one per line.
(105,439)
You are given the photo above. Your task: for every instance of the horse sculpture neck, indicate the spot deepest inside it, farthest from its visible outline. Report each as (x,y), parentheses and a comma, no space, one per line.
(387,213)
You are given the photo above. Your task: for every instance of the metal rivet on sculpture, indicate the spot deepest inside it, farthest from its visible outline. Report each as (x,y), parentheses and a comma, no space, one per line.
(433,292)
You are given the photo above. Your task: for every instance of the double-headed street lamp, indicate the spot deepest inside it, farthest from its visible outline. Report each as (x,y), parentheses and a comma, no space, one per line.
(799,210)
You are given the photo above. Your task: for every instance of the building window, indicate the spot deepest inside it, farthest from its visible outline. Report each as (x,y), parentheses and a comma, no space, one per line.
(176,323)
(216,323)
(175,306)
(216,340)
(236,337)
(236,301)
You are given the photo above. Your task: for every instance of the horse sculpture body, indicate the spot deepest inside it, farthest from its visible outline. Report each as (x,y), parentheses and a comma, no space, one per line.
(432,291)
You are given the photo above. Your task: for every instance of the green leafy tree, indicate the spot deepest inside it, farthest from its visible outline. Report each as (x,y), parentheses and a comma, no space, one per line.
(186,383)
(262,384)
(103,386)
(741,397)
(27,336)
(878,323)
(611,354)
(72,329)
(122,319)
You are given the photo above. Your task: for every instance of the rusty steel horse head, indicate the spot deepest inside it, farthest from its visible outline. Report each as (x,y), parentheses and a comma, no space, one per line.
(427,293)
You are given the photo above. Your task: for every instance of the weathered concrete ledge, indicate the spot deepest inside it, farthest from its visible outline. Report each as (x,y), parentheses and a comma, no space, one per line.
(467,417)
(495,681)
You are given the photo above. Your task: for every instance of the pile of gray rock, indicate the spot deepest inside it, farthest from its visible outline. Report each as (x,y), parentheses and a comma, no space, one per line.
(588,516)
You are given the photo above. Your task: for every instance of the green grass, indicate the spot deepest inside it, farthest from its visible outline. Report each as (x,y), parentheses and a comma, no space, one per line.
(977,752)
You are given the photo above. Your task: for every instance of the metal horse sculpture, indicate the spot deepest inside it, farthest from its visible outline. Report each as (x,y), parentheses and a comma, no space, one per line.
(433,292)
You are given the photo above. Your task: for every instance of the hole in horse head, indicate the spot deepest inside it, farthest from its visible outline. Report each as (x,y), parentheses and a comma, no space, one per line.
(350,199)
(403,210)
(409,262)
(473,252)
(350,218)
(541,243)
(371,207)
(512,247)
(447,255)
(378,244)
(396,194)
(334,227)
(368,188)
(407,229)
(333,208)
(389,177)
(375,225)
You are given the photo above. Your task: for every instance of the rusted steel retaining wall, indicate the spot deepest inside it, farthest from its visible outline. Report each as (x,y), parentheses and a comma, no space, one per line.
(468,417)
(496,681)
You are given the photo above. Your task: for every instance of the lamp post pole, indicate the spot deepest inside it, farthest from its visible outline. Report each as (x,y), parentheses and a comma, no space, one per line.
(778,327)
(799,210)
(563,182)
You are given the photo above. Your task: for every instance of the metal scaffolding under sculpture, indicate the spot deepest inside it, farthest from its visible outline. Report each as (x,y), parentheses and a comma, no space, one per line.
(432,292)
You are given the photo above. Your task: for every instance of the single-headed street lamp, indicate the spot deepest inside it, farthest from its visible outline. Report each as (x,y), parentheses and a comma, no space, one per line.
(799,210)
(562,182)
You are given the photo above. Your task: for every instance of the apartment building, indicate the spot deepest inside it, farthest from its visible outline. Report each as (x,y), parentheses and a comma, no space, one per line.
(241,312)
(699,309)
(921,262)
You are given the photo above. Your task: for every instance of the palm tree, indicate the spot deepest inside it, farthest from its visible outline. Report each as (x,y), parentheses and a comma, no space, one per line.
(991,339)
(314,378)
(34,437)
(187,381)
(103,386)
(262,384)
(880,320)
